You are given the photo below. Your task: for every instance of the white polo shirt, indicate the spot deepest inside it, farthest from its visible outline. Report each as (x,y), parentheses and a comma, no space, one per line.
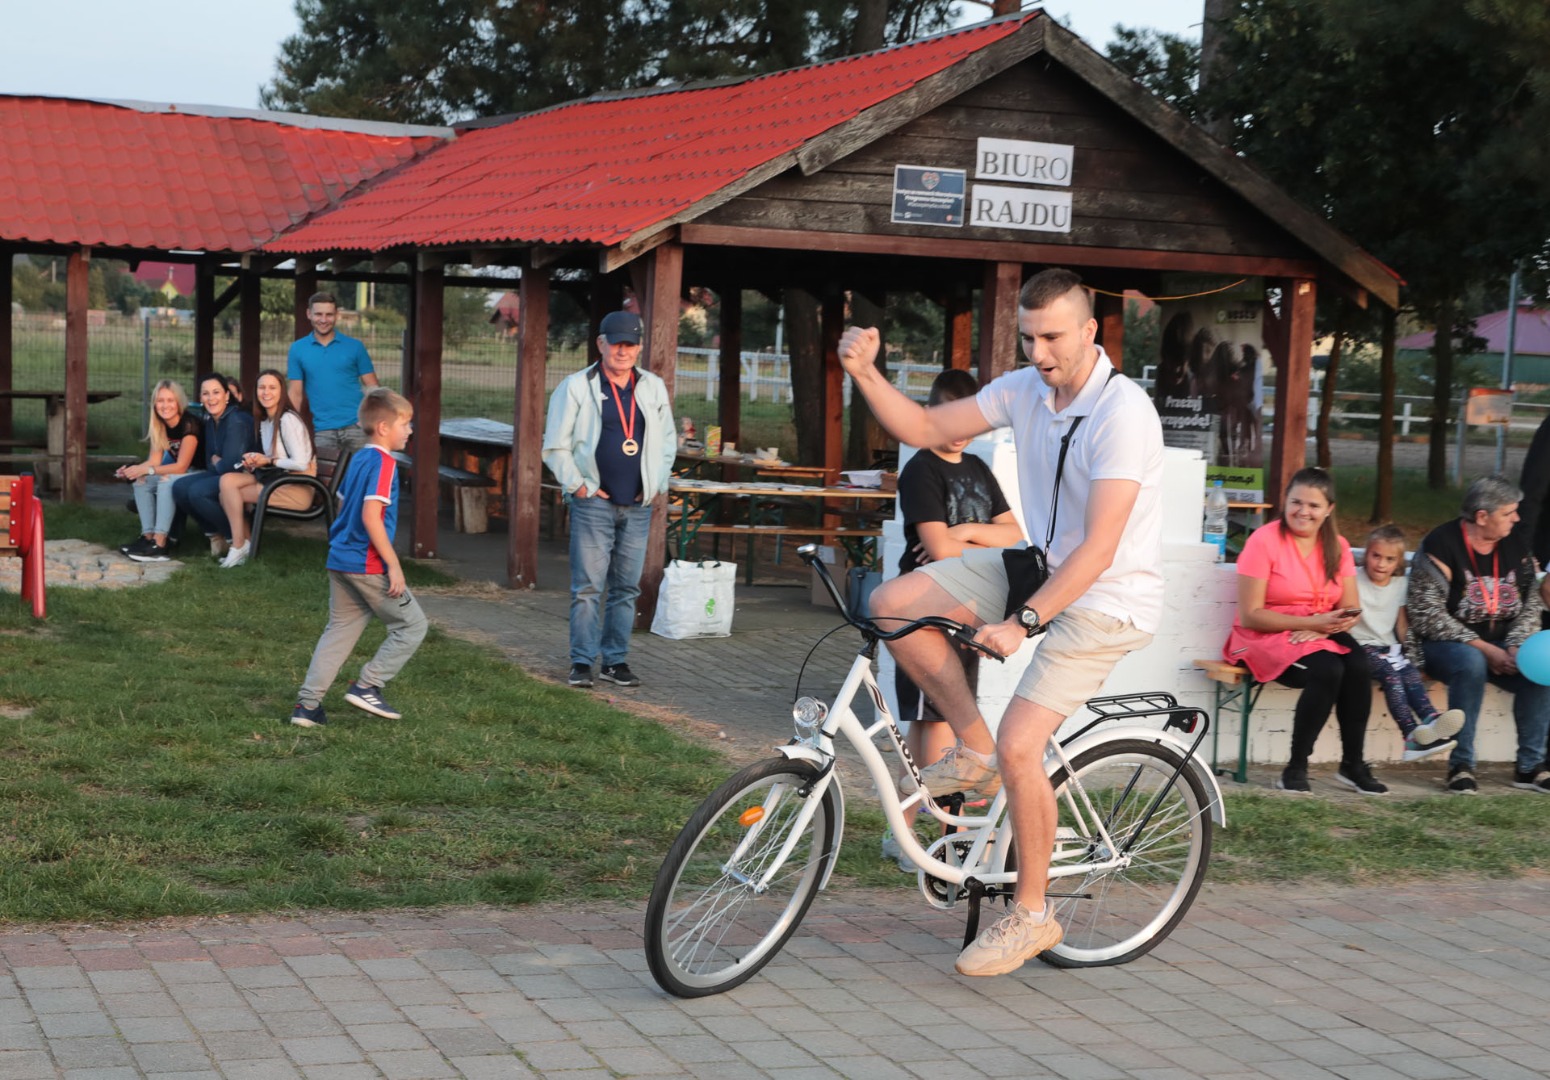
(1120,439)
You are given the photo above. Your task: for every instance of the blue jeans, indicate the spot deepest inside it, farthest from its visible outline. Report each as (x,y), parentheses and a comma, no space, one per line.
(607,551)
(200,494)
(1464,669)
(154,500)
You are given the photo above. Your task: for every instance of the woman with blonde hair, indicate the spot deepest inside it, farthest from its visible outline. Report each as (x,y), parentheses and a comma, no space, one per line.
(176,452)
(285,446)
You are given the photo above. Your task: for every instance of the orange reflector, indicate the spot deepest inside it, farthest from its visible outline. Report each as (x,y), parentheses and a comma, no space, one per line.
(751,815)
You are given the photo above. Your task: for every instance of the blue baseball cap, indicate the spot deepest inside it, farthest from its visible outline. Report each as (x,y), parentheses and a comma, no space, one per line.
(621,327)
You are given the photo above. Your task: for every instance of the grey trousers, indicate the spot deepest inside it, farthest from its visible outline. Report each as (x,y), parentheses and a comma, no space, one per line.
(352,600)
(329,442)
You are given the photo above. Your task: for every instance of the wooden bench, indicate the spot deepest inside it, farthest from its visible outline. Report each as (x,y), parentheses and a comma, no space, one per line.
(21,536)
(753,531)
(471,513)
(1233,687)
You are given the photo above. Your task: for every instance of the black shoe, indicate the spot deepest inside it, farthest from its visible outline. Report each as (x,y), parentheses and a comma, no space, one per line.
(1357,775)
(1536,779)
(1295,780)
(153,553)
(138,546)
(1461,781)
(618,674)
(580,675)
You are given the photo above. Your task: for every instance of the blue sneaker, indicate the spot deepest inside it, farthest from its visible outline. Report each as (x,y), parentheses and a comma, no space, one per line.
(305,717)
(370,699)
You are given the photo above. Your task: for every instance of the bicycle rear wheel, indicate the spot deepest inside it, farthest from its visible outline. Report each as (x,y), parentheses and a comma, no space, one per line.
(708,925)
(1128,911)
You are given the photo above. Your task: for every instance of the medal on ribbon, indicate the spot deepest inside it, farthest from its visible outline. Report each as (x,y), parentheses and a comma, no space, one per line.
(629,446)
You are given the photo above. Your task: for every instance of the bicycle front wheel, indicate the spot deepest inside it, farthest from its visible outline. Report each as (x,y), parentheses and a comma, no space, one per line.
(713,920)
(1117,915)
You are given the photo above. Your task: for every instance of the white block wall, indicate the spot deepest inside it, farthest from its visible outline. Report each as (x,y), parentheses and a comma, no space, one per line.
(1201,600)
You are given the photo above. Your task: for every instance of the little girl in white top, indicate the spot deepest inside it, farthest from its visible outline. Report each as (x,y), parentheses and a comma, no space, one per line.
(1381,631)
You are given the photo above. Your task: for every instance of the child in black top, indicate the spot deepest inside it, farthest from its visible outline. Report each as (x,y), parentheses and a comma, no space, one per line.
(950,501)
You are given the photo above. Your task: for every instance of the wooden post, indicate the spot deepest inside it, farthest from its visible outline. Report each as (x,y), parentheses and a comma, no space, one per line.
(204,320)
(77,299)
(831,326)
(659,309)
(523,482)
(248,344)
(306,285)
(607,295)
(6,257)
(1110,313)
(730,407)
(998,319)
(427,406)
(1291,344)
(958,317)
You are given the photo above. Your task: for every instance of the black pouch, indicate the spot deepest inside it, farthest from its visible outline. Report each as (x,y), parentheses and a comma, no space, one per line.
(1026,572)
(265,473)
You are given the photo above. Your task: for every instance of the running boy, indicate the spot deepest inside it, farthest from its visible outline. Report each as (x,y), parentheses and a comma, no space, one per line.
(364,575)
(1381,633)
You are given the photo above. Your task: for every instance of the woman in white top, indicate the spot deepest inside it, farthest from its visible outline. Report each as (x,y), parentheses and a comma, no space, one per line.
(285,446)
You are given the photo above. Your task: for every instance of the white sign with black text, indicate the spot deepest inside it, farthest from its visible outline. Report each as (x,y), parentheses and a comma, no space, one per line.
(1023,162)
(995,207)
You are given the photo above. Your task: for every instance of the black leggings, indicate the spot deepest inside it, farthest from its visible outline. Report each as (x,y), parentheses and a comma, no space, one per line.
(1330,681)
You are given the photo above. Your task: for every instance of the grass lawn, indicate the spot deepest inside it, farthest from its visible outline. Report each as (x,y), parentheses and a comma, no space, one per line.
(146,770)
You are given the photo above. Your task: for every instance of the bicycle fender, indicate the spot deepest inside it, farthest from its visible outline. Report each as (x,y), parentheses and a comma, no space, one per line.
(802,752)
(1151,734)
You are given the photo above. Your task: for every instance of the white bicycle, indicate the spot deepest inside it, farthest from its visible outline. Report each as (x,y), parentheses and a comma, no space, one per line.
(1136,806)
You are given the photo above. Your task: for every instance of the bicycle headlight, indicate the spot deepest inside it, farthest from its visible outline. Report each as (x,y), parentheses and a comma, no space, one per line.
(807,716)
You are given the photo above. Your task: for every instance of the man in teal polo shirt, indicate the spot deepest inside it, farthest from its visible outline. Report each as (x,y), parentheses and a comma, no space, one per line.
(331,370)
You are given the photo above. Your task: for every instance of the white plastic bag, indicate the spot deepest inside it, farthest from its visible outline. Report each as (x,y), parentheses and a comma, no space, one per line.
(695,600)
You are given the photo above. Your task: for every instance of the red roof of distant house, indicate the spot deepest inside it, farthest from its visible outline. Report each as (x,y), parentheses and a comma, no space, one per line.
(165,178)
(1533,333)
(600,170)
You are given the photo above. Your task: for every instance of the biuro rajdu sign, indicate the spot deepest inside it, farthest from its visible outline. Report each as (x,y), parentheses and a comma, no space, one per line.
(1037,209)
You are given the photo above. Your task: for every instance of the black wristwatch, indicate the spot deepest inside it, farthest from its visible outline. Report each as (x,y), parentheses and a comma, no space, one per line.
(1030,621)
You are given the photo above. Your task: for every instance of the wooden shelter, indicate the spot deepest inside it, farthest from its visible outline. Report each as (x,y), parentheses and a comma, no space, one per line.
(955,166)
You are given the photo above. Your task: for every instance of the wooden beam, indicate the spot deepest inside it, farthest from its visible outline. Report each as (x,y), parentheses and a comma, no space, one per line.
(306,285)
(249,346)
(77,300)
(1110,313)
(543,256)
(6,354)
(730,406)
(524,493)
(1292,349)
(831,326)
(607,295)
(659,309)
(427,410)
(741,236)
(204,320)
(612,258)
(227,295)
(958,330)
(998,319)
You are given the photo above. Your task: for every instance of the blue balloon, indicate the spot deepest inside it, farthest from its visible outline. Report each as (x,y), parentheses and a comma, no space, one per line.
(1534,658)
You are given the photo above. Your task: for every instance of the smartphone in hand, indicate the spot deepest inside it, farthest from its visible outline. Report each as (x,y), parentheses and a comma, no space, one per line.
(1350,613)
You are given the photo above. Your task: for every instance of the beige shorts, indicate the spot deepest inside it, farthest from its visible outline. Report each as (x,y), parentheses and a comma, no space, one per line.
(1076,653)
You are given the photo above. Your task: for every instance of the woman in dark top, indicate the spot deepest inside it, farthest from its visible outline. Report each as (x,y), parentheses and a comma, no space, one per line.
(229,433)
(176,453)
(1473,600)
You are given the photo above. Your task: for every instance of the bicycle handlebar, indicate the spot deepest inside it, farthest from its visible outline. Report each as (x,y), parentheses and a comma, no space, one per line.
(956,630)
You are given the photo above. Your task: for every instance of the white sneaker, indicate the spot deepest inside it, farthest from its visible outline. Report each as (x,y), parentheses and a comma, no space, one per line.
(1015,939)
(236,556)
(1442,726)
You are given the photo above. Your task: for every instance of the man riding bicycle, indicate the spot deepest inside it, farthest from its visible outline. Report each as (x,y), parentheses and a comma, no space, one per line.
(1102,526)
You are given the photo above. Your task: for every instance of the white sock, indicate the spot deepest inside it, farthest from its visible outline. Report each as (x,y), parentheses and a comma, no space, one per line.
(985,759)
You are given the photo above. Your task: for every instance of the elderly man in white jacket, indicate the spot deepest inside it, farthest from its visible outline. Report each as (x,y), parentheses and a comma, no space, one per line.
(610,442)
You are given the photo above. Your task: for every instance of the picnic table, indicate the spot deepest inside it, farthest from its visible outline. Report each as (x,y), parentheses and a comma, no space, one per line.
(53,447)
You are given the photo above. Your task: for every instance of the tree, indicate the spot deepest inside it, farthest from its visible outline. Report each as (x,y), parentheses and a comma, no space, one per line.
(1412,128)
(1166,64)
(459,59)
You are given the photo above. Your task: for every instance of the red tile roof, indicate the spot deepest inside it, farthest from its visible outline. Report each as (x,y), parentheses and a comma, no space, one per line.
(103,174)
(599,170)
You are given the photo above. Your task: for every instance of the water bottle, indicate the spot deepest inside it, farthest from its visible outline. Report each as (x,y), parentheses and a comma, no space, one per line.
(1215,531)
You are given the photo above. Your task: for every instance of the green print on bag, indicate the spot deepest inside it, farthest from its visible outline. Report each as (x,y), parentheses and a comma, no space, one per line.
(710,608)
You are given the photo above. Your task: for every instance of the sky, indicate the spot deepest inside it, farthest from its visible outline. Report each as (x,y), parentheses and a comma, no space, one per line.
(220,54)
